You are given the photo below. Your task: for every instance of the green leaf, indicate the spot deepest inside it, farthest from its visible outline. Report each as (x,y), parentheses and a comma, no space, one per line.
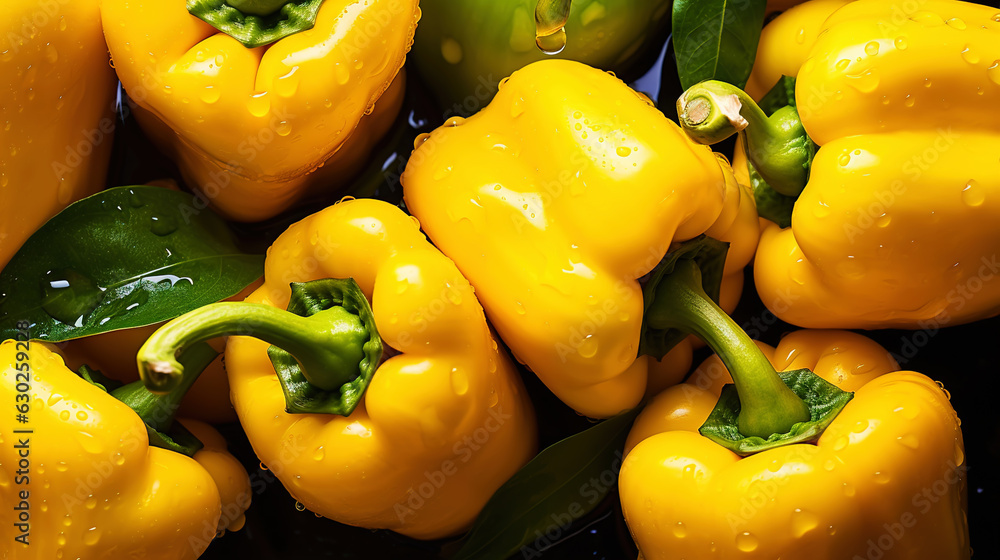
(716,39)
(824,399)
(562,484)
(122,258)
(253,29)
(710,255)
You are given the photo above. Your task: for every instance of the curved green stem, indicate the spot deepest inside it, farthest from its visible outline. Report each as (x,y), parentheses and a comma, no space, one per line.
(328,345)
(778,146)
(767,405)
(157,410)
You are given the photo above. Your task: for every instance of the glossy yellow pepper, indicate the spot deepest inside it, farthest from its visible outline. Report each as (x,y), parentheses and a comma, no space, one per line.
(82,481)
(445,420)
(897,223)
(885,480)
(56,102)
(250,127)
(554,200)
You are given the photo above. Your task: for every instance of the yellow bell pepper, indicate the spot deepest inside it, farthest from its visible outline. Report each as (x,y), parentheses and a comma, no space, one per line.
(885,480)
(897,213)
(445,420)
(250,127)
(56,103)
(554,200)
(78,478)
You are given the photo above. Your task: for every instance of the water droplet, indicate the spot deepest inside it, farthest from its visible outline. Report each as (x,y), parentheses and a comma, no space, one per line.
(883,221)
(908,101)
(519,307)
(134,200)
(90,502)
(848,489)
(956,23)
(69,295)
(287,85)
(442,173)
(459,381)
(866,82)
(996,18)
(969,56)
(263,467)
(959,454)
(119,459)
(829,465)
(900,43)
(259,104)
(162,225)
(53,399)
(517,107)
(210,95)
(283,128)
(82,416)
(841,443)
(882,477)
(909,440)
(451,50)
(973,194)
(623,151)
(300,506)
(803,522)
(746,542)
(844,160)
(860,426)
(342,73)
(679,530)
(552,44)
(871,49)
(588,347)
(64,415)
(319,454)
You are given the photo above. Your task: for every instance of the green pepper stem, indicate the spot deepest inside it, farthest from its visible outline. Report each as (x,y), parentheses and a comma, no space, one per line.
(328,345)
(767,405)
(157,410)
(257,7)
(778,146)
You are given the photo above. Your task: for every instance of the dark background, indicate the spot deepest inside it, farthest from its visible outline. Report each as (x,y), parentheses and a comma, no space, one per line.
(961,357)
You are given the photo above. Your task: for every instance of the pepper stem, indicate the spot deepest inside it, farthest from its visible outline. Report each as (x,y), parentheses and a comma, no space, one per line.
(157,410)
(328,345)
(257,7)
(767,405)
(777,146)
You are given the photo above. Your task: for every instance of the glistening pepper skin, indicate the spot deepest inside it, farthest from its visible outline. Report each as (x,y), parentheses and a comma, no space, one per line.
(899,222)
(56,101)
(96,489)
(250,126)
(886,478)
(553,201)
(442,425)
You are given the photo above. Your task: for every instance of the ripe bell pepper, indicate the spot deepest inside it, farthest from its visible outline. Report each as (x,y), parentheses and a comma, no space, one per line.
(885,480)
(79,478)
(465,48)
(896,213)
(249,115)
(56,102)
(554,200)
(445,420)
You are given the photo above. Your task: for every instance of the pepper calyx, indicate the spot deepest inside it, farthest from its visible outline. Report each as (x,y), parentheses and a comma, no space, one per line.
(305,397)
(255,23)
(710,256)
(823,399)
(157,411)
